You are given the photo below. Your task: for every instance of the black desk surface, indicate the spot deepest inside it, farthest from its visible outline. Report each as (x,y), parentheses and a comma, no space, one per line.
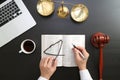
(104,16)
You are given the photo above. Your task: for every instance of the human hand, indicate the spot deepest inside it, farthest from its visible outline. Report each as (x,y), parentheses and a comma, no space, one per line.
(79,60)
(47,67)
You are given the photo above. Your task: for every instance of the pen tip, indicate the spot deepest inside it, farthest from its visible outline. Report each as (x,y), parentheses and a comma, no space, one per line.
(73,45)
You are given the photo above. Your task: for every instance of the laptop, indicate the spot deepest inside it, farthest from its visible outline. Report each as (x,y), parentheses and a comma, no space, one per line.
(15,19)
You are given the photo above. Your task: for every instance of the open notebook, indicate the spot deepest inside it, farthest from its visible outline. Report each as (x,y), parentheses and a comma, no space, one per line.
(62,44)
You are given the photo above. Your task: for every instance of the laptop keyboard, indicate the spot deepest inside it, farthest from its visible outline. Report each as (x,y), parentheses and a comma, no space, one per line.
(9,12)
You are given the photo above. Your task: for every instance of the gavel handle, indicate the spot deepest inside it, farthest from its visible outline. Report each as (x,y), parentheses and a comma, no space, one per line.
(101,64)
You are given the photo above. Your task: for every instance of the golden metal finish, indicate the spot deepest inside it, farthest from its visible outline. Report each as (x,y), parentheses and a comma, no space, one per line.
(45,7)
(62,11)
(79,13)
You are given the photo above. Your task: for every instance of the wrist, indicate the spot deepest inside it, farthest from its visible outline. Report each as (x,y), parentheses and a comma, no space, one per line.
(46,77)
(82,67)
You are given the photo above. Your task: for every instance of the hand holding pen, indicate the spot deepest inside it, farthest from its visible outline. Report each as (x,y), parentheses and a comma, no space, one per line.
(81,56)
(80,52)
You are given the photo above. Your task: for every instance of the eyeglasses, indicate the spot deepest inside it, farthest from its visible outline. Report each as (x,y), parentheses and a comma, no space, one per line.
(59,46)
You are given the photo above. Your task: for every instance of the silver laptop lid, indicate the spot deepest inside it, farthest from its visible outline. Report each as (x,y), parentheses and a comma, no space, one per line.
(16,26)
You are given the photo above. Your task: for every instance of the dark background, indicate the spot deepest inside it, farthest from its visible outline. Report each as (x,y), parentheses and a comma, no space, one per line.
(104,16)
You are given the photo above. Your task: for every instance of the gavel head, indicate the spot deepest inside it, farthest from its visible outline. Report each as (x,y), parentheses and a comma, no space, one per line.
(99,39)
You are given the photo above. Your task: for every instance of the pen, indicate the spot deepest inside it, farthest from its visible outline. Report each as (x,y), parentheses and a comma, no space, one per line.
(56,57)
(79,52)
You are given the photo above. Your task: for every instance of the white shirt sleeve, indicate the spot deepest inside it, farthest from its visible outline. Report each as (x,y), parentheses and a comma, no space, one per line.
(42,78)
(85,75)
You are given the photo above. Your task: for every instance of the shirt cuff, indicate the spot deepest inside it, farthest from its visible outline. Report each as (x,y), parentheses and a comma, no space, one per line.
(42,78)
(85,75)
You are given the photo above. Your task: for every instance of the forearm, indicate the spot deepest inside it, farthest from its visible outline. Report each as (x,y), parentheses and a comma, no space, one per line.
(85,75)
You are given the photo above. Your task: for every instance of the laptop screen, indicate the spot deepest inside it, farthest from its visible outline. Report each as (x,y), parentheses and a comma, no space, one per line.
(1,1)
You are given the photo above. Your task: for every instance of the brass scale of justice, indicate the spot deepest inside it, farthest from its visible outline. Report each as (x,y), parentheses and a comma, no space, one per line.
(79,12)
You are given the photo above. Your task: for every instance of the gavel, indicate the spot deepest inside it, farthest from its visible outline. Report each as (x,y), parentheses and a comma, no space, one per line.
(99,40)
